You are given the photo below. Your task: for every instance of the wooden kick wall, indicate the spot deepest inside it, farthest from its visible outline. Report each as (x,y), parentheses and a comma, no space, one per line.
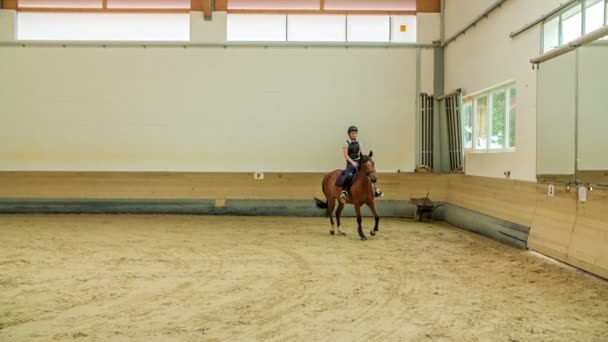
(185,185)
(560,227)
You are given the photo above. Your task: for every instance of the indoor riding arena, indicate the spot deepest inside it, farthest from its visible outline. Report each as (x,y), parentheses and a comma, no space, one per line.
(303,170)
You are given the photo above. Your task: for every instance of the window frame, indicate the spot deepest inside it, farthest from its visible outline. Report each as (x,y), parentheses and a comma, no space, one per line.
(582,5)
(488,94)
(390,37)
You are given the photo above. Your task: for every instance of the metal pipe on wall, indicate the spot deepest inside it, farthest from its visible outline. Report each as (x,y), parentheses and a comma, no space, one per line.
(452,93)
(541,19)
(483,15)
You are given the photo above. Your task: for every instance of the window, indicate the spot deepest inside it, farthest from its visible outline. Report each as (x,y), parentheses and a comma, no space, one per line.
(572,24)
(321,28)
(594,15)
(467,114)
(370,5)
(481,122)
(275,5)
(403,28)
(489,119)
(256,27)
(368,28)
(567,25)
(511,110)
(157,4)
(551,33)
(103,26)
(107,4)
(60,4)
(316,28)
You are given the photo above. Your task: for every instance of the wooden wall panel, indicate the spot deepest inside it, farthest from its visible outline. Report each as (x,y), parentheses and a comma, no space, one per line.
(588,248)
(560,227)
(553,222)
(509,200)
(167,185)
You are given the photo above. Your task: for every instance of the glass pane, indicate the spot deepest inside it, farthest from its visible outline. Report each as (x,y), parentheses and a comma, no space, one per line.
(551,34)
(594,15)
(103,27)
(367,28)
(274,5)
(481,124)
(499,107)
(316,28)
(403,28)
(467,114)
(256,27)
(512,111)
(166,4)
(571,24)
(61,3)
(370,5)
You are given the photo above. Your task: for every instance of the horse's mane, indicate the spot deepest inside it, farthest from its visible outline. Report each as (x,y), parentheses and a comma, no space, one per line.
(364,159)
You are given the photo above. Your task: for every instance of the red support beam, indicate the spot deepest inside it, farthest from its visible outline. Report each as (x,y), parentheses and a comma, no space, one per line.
(428,6)
(9,4)
(196,5)
(207,8)
(221,5)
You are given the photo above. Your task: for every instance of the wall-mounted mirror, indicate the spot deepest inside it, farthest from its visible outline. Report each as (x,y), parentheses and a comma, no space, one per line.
(556,119)
(592,114)
(572,117)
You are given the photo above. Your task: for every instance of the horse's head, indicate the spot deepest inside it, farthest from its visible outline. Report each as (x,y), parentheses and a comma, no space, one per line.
(367,167)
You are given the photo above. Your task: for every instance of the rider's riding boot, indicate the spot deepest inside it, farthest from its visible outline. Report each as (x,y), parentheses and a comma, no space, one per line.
(379,193)
(343,196)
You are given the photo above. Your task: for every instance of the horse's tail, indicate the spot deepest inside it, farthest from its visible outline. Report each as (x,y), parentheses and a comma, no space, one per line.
(320,204)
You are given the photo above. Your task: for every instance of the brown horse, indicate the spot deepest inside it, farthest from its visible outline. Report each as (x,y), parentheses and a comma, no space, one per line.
(362,192)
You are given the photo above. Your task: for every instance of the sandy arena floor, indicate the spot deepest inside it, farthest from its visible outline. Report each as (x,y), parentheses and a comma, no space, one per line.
(200,278)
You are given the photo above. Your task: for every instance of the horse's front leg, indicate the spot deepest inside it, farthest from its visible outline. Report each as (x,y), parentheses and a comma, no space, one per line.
(359,228)
(338,213)
(372,206)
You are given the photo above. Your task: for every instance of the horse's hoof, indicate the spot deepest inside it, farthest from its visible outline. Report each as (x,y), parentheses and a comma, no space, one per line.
(342,233)
(372,232)
(363,238)
(331,232)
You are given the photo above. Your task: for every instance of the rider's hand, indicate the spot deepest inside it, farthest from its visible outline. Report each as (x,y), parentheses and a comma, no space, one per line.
(354,164)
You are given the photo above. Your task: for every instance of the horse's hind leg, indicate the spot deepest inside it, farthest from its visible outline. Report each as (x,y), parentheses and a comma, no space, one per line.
(330,210)
(338,213)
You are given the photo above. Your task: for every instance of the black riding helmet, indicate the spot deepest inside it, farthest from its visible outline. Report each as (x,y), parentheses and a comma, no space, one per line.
(352,129)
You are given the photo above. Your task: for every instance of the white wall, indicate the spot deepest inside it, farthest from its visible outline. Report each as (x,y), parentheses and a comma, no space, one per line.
(204,109)
(458,13)
(7,25)
(208,31)
(429,25)
(486,56)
